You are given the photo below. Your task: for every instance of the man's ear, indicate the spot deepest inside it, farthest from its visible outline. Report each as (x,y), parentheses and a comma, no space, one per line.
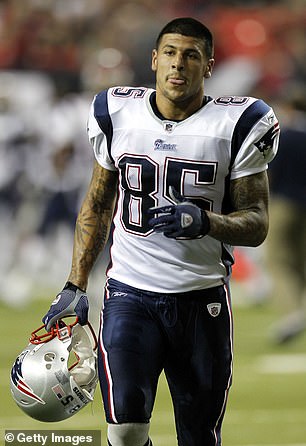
(154,60)
(209,68)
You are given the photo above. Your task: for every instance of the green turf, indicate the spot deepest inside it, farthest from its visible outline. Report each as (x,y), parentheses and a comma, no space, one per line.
(267,404)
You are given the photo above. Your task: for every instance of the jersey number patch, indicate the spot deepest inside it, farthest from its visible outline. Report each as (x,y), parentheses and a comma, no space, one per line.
(139,181)
(127,92)
(231,100)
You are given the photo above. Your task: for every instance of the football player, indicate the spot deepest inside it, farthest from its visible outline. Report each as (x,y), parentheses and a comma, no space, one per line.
(181,179)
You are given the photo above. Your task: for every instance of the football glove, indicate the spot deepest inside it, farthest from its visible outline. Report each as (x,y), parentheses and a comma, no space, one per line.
(69,302)
(183,220)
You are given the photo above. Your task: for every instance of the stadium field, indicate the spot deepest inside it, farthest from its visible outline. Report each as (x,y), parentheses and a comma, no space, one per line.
(267,404)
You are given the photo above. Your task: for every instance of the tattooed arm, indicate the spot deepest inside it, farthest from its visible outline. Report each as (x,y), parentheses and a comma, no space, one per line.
(248,224)
(93,224)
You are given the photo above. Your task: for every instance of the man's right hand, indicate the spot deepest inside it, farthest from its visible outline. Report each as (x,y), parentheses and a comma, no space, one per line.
(69,302)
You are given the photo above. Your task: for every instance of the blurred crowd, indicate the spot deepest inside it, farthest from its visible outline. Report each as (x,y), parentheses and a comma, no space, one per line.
(56,54)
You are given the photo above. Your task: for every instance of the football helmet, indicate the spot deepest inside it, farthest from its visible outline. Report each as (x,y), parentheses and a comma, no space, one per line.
(56,374)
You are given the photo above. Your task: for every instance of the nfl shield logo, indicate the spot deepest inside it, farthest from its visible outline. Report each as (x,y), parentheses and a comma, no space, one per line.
(168,126)
(214,309)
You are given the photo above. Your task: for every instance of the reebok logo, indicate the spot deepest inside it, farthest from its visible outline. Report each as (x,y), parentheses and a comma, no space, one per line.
(118,294)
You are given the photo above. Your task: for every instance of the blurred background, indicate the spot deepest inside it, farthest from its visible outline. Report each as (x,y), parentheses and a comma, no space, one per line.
(54,56)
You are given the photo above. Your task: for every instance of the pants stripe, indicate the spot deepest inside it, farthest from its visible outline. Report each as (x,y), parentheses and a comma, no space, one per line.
(217,432)
(107,372)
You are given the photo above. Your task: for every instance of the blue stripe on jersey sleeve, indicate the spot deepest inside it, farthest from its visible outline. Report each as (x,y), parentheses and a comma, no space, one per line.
(101,113)
(245,123)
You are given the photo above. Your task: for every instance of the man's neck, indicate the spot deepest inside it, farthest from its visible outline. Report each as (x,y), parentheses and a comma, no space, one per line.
(176,112)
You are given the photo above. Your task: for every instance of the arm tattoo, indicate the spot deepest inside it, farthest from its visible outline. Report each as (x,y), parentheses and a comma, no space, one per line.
(247,225)
(93,224)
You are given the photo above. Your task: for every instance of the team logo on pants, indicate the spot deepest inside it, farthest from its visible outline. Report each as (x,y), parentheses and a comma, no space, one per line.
(214,309)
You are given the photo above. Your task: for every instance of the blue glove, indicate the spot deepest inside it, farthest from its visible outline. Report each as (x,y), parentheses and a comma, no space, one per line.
(183,220)
(69,302)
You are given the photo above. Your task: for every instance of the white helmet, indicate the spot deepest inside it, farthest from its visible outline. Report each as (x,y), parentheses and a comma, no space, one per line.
(43,384)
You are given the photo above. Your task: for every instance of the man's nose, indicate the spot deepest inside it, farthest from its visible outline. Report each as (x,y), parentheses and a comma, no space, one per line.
(178,62)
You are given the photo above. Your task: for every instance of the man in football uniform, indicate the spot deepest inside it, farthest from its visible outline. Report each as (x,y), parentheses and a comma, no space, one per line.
(182,177)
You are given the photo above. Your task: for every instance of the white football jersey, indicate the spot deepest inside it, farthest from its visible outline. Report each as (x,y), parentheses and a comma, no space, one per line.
(229,137)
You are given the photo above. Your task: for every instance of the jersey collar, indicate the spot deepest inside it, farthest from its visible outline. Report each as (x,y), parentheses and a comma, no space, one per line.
(157,113)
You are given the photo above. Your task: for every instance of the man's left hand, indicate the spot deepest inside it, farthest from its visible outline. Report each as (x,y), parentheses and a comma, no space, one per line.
(183,220)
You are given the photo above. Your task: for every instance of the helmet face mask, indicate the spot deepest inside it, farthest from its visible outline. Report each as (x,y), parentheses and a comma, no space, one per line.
(43,384)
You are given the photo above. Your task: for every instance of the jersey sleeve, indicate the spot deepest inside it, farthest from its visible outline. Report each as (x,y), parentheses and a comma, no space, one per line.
(255,140)
(99,129)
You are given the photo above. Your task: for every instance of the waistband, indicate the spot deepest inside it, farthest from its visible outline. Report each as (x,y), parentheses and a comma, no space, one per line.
(213,291)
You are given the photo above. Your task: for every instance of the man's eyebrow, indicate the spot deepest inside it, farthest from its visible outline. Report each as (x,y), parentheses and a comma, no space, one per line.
(168,45)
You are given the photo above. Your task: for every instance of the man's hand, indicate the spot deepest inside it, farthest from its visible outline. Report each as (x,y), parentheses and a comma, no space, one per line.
(183,220)
(69,302)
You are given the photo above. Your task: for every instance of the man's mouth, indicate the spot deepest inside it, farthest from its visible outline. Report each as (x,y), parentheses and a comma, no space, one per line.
(176,81)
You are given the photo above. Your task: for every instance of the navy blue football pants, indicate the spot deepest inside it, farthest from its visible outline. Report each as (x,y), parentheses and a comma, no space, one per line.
(188,335)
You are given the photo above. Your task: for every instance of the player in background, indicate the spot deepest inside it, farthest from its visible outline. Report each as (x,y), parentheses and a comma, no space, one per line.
(182,178)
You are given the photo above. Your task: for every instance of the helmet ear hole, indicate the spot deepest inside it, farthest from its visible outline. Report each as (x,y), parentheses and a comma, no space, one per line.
(49,357)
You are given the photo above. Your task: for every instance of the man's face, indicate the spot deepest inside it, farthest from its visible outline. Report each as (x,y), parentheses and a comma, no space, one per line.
(180,64)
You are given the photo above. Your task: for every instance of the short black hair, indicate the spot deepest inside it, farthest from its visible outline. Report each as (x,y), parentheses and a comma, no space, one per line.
(187,26)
